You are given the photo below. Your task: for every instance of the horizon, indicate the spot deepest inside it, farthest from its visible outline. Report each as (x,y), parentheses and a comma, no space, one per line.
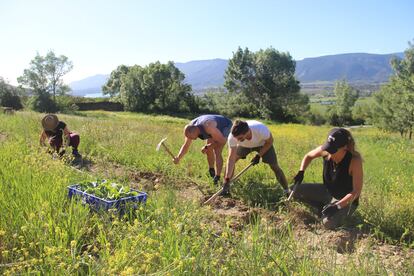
(201,60)
(97,36)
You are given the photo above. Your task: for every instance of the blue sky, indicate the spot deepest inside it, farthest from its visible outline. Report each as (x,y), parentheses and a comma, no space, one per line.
(97,36)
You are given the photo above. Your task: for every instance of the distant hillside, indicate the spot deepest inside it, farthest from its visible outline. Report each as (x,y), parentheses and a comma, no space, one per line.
(367,68)
(202,74)
(89,85)
(359,68)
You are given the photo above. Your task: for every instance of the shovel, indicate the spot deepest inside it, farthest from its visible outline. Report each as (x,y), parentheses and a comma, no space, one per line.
(213,197)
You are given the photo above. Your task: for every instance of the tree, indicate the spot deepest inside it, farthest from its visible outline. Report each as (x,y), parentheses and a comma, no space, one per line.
(156,88)
(341,113)
(394,109)
(266,80)
(45,74)
(9,95)
(113,86)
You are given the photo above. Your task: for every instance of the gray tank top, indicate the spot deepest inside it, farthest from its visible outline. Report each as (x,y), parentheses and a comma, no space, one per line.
(223,124)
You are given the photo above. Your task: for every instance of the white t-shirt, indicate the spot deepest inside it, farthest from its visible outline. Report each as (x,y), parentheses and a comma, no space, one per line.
(260,133)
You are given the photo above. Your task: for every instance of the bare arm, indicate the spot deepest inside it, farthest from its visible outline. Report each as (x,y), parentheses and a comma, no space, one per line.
(267,145)
(183,150)
(307,159)
(231,162)
(357,179)
(42,138)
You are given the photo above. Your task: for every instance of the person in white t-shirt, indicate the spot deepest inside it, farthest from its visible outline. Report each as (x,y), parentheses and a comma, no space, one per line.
(246,137)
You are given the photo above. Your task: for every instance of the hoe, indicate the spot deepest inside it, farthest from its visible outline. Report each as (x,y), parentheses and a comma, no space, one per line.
(213,197)
(162,143)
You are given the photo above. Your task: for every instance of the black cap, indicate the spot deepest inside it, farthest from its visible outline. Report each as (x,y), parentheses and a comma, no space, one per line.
(337,138)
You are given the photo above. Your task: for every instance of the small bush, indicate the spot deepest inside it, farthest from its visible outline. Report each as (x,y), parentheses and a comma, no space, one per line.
(42,103)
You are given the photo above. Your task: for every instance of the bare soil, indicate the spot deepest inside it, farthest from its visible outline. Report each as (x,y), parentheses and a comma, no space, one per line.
(307,230)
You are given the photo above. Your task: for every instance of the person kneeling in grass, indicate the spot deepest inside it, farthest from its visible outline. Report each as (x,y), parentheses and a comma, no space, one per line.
(246,137)
(214,129)
(338,196)
(54,130)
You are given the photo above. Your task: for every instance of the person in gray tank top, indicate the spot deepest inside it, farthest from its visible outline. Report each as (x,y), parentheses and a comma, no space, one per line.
(338,196)
(214,129)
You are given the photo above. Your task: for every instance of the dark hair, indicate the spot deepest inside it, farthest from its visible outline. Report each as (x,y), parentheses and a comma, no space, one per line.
(239,127)
(351,144)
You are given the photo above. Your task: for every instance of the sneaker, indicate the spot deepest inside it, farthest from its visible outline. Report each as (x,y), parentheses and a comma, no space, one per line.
(211,172)
(226,190)
(76,153)
(216,179)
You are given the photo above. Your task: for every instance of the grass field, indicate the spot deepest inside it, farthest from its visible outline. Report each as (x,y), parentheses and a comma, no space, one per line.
(317,107)
(41,231)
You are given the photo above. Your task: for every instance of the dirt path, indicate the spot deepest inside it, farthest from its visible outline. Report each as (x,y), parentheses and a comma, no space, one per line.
(350,243)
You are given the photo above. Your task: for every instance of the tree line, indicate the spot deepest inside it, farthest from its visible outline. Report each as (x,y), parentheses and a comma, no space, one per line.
(257,84)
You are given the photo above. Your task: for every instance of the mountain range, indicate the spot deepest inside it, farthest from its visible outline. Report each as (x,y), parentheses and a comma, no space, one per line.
(359,68)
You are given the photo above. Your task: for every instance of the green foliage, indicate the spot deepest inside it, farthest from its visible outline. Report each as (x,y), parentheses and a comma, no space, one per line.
(105,190)
(9,96)
(45,74)
(362,113)
(113,86)
(267,82)
(42,102)
(42,232)
(227,104)
(340,114)
(394,109)
(155,88)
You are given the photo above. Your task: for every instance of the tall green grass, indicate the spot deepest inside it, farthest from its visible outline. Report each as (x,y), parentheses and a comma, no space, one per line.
(41,231)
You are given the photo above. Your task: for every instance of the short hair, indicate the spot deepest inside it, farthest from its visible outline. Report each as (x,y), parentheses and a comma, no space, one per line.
(239,127)
(190,129)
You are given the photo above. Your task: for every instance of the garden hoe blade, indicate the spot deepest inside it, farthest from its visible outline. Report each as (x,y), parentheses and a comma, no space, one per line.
(162,144)
(292,193)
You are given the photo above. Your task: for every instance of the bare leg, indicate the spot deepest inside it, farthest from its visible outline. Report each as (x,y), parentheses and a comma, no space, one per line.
(219,159)
(210,155)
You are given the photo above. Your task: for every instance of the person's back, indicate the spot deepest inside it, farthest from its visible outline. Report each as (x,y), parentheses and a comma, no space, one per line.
(214,129)
(223,124)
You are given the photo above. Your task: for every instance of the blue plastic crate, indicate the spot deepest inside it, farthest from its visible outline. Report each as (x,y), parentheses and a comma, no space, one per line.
(98,203)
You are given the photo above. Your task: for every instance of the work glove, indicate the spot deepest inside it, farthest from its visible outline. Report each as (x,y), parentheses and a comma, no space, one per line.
(330,209)
(299,177)
(212,172)
(255,160)
(226,188)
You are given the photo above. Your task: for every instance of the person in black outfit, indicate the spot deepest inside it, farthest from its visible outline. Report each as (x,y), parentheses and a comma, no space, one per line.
(338,196)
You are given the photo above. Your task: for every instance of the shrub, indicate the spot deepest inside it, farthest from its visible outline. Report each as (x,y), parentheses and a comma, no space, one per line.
(42,103)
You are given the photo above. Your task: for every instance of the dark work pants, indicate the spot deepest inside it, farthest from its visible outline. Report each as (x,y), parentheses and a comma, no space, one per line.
(317,196)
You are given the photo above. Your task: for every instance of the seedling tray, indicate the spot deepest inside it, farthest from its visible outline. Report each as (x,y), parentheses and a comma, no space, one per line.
(98,203)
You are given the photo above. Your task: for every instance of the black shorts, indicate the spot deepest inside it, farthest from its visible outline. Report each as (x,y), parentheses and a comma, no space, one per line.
(269,157)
